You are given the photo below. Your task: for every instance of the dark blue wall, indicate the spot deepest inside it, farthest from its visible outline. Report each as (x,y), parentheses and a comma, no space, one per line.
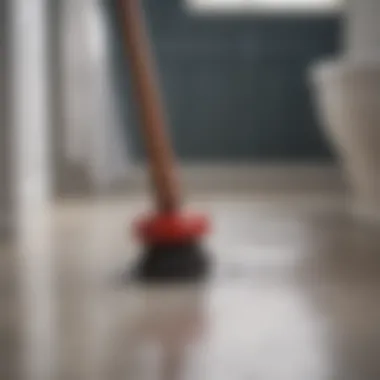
(235,87)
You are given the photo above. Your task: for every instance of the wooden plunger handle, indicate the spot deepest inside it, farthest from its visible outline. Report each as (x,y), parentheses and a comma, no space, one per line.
(153,123)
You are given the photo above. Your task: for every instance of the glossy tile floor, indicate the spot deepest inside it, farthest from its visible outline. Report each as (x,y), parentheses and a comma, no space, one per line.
(293,295)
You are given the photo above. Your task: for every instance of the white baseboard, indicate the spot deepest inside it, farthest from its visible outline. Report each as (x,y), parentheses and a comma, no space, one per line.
(249,177)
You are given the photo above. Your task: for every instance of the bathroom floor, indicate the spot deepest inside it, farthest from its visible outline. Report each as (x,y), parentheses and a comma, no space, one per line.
(293,295)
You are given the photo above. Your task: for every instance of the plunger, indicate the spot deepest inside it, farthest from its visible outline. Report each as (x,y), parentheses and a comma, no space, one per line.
(171,237)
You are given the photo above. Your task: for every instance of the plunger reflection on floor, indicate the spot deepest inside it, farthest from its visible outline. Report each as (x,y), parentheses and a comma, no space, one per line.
(167,324)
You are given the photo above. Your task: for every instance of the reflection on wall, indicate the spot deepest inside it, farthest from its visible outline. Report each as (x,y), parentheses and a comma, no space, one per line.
(91,128)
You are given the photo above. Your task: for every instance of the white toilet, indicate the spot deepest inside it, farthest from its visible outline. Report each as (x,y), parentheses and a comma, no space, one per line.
(347,94)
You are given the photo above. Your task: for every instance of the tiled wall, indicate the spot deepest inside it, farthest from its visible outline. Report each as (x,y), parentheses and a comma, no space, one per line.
(236,87)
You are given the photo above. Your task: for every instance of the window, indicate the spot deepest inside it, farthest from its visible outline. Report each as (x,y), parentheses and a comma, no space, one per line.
(264,5)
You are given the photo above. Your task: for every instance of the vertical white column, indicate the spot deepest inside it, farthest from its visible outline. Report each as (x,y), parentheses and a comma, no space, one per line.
(30,103)
(32,180)
(5,188)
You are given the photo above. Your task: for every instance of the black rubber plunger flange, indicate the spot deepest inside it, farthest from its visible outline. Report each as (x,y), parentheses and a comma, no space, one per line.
(172,263)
